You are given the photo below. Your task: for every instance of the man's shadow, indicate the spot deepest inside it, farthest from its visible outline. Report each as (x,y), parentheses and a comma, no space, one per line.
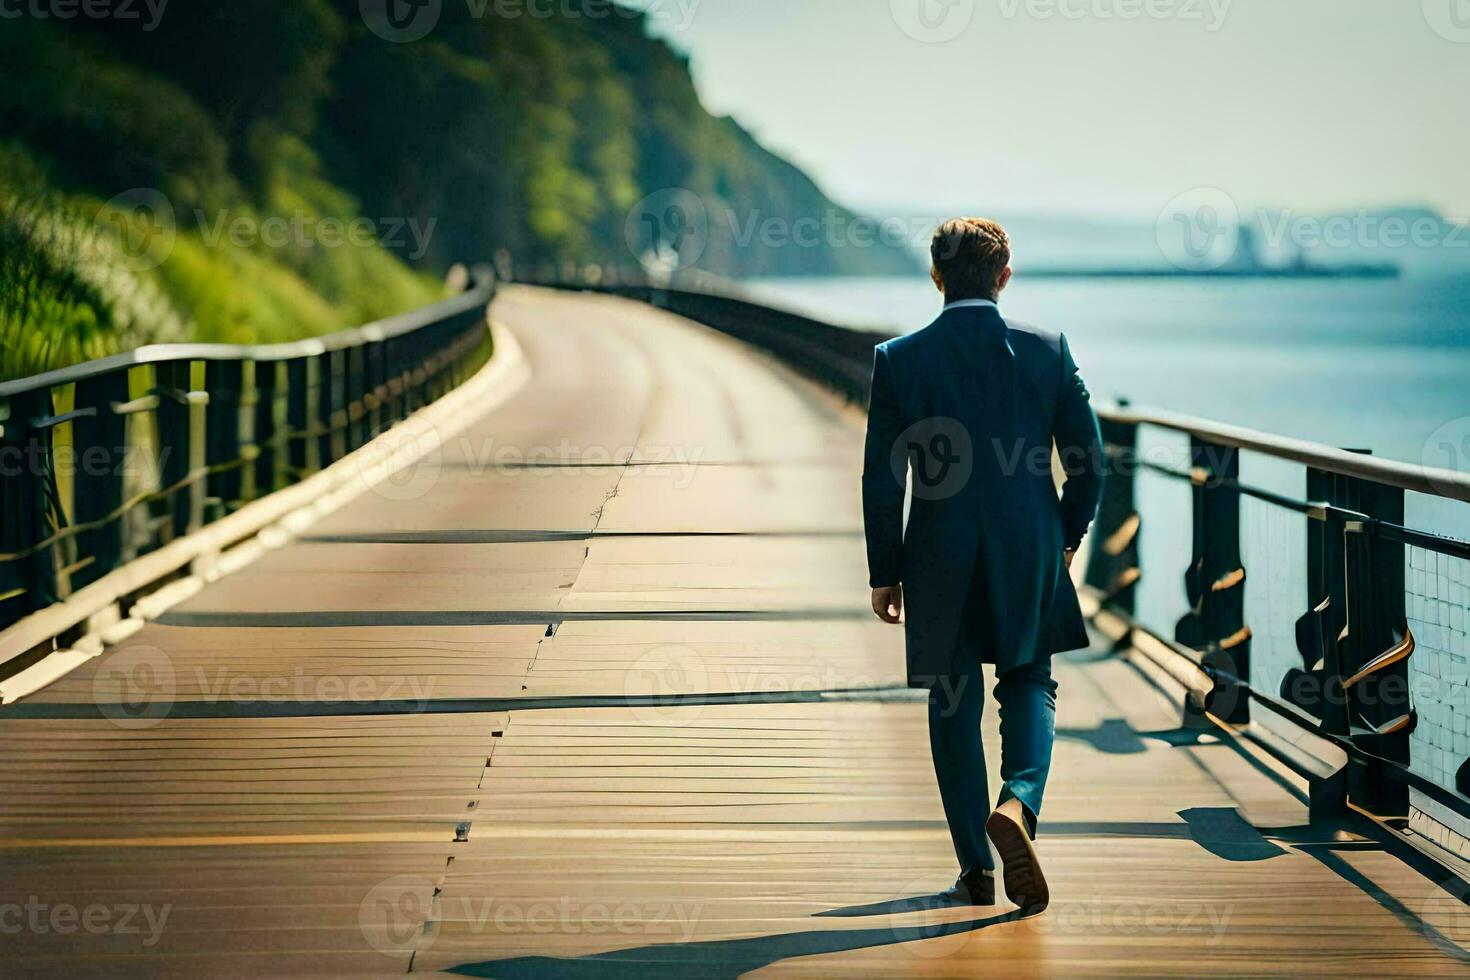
(731,958)
(1114,736)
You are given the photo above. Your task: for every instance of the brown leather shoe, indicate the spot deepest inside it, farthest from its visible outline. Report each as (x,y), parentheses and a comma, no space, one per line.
(976,888)
(1025,884)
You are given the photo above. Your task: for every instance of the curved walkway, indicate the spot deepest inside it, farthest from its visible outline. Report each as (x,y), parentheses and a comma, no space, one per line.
(594,692)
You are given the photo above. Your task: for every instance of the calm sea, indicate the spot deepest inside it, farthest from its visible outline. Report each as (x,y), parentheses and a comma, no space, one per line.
(1381,365)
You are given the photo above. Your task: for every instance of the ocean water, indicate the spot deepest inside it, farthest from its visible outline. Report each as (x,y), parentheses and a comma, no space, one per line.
(1367,364)
(1372,365)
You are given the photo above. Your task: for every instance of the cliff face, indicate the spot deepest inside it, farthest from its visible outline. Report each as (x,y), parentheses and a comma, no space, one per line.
(191,174)
(572,138)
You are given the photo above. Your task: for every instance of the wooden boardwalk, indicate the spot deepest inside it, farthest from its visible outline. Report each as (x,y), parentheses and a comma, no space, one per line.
(659,513)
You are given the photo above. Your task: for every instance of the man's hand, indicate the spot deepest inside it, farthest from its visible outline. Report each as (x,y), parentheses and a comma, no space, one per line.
(888,604)
(1067,557)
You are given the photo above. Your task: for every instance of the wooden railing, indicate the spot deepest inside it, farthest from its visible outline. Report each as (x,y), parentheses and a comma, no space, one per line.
(107,461)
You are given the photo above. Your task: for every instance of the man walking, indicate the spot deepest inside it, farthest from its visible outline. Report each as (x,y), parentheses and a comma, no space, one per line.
(963,419)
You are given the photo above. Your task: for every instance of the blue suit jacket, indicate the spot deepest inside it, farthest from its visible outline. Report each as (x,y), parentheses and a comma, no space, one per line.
(970,406)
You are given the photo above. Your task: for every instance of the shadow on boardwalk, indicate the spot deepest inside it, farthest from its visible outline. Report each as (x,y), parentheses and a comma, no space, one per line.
(730,958)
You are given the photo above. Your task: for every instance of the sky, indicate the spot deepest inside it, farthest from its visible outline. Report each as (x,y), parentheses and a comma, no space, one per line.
(1075,107)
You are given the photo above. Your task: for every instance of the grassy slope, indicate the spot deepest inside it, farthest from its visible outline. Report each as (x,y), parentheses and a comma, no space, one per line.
(84,274)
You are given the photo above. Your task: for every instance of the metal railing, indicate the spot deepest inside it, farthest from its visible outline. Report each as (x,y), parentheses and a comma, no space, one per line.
(1355,683)
(107,461)
(839,357)
(1354,637)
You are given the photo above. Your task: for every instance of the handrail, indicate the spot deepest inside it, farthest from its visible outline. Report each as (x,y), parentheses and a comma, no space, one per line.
(395,326)
(165,440)
(1403,476)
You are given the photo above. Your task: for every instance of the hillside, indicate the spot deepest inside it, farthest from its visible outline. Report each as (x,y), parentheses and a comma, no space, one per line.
(255,172)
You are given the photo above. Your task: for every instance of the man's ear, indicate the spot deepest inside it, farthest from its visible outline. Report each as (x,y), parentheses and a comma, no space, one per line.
(938,279)
(1005,278)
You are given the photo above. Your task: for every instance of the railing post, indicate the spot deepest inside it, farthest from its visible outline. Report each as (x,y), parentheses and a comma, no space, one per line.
(225,382)
(395,381)
(1112,564)
(27,583)
(1318,688)
(1355,641)
(181,445)
(375,389)
(302,378)
(99,442)
(1215,579)
(356,387)
(332,405)
(1375,648)
(175,447)
(268,429)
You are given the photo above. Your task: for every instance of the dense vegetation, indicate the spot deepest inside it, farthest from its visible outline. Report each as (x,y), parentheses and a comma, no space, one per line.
(266,170)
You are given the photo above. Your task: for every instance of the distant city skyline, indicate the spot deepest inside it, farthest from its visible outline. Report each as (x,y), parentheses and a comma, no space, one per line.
(1110,108)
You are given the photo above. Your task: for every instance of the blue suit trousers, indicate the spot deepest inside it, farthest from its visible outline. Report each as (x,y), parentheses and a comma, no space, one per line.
(1027,699)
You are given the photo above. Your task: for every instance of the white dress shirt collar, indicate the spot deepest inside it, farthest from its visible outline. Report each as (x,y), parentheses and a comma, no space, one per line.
(963,303)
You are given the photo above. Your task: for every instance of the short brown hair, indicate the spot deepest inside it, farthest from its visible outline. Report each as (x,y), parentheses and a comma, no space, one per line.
(970,254)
